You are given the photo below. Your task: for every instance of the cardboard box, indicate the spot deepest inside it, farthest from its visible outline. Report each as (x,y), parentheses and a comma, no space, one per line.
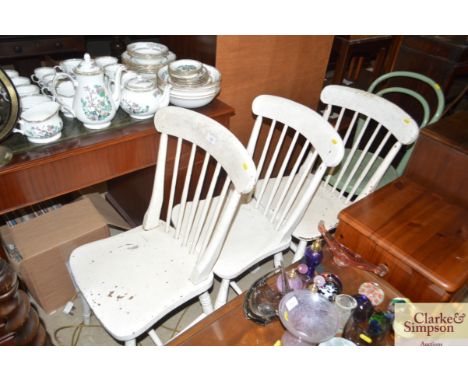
(39,249)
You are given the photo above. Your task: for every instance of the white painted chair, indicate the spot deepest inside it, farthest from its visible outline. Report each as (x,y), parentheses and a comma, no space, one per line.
(386,129)
(132,280)
(259,232)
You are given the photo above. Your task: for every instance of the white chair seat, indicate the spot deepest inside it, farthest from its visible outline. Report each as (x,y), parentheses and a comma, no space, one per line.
(145,274)
(325,205)
(251,239)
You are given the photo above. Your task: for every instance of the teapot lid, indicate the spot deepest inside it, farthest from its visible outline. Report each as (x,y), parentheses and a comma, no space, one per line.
(140,84)
(88,66)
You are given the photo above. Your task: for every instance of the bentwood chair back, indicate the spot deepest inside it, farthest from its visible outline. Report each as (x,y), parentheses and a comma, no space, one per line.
(429,116)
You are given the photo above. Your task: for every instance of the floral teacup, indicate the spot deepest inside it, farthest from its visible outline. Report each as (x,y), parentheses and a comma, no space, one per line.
(41,123)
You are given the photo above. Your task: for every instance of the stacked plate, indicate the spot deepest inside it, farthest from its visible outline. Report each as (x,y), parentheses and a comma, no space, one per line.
(193,84)
(146,58)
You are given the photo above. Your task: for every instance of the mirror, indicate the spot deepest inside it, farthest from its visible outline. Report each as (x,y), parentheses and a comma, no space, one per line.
(9,111)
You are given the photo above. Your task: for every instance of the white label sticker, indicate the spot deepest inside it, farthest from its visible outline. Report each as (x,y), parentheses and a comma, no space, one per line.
(291,303)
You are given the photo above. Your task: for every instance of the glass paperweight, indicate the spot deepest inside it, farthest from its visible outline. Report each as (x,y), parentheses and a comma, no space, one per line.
(331,287)
(308,317)
(379,326)
(364,308)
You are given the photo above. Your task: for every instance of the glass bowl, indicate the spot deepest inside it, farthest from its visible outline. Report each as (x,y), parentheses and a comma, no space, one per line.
(308,318)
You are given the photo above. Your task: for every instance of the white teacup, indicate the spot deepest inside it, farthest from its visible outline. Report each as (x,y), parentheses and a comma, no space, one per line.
(64,94)
(41,123)
(111,69)
(103,61)
(20,81)
(11,73)
(27,90)
(30,101)
(40,73)
(69,65)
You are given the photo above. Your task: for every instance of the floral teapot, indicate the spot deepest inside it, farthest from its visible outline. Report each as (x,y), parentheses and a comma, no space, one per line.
(141,98)
(93,103)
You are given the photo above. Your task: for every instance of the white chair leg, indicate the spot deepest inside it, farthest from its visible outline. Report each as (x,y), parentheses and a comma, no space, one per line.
(278,259)
(293,246)
(301,247)
(130,342)
(236,287)
(205,301)
(157,341)
(222,296)
(86,310)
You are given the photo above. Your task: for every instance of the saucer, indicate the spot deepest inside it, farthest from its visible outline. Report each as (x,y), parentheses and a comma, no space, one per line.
(45,140)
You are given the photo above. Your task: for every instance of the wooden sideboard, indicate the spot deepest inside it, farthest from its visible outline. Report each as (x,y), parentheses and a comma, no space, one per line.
(418,224)
(44,172)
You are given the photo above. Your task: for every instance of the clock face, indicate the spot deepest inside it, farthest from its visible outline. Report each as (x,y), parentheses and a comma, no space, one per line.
(9,105)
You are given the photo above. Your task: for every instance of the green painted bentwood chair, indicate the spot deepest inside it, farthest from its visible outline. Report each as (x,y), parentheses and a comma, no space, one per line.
(427,118)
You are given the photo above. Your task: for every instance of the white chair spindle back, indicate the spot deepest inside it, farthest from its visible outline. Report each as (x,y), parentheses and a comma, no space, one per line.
(192,228)
(380,117)
(312,135)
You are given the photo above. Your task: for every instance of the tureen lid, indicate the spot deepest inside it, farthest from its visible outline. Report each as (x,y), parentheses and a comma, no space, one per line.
(140,84)
(88,66)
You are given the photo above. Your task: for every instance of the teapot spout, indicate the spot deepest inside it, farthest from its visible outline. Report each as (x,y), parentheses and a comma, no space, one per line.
(116,93)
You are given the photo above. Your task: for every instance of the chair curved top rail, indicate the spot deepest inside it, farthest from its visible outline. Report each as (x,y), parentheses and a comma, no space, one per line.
(395,119)
(403,73)
(412,93)
(300,117)
(212,137)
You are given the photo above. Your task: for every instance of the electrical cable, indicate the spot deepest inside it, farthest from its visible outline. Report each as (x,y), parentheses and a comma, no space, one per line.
(77,329)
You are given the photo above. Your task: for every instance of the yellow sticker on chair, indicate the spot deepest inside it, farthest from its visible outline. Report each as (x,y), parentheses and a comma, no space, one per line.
(245,166)
(334,141)
(407,121)
(286,315)
(436,86)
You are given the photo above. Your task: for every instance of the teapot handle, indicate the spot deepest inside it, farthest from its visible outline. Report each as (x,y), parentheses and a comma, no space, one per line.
(54,91)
